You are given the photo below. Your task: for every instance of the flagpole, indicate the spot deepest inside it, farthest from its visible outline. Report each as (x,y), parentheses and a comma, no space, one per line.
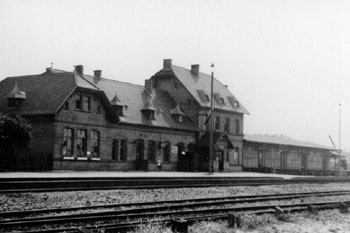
(210,165)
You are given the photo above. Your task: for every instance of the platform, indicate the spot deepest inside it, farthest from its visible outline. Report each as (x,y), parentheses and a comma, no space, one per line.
(71,174)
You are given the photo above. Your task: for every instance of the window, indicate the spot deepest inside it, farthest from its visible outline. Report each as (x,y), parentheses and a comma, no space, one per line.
(166,151)
(98,109)
(149,114)
(227,125)
(119,110)
(68,142)
(180,149)
(178,118)
(115,150)
(234,156)
(222,101)
(78,102)
(119,149)
(152,150)
(95,143)
(81,142)
(66,105)
(87,104)
(217,123)
(237,126)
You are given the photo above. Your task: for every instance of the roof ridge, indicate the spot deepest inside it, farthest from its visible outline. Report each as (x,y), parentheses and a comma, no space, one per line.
(108,79)
(32,75)
(282,136)
(200,73)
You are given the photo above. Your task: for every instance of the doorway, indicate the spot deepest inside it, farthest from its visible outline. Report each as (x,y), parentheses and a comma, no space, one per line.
(219,155)
(140,145)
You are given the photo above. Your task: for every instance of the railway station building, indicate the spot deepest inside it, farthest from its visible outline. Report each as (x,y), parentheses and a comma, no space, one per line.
(88,122)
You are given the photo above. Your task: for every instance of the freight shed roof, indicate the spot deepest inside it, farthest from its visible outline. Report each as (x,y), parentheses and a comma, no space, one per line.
(283,140)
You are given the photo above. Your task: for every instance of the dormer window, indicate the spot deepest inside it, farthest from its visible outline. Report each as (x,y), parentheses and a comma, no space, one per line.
(177,114)
(233,101)
(218,99)
(119,110)
(117,105)
(149,114)
(16,97)
(12,102)
(222,101)
(204,97)
(179,118)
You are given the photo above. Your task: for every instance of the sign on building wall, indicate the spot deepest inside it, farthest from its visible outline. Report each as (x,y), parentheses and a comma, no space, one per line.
(173,153)
(174,149)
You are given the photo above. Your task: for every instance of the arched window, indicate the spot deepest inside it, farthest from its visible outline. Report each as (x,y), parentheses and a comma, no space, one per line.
(152,150)
(119,149)
(166,151)
(180,149)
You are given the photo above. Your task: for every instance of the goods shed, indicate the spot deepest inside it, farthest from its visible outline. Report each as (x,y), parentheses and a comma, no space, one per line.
(281,154)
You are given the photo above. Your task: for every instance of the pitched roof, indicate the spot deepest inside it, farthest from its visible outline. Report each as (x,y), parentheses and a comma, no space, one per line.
(16,93)
(177,110)
(44,92)
(217,136)
(200,86)
(283,140)
(135,98)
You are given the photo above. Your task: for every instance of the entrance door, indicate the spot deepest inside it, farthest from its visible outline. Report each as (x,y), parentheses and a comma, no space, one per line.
(140,154)
(219,155)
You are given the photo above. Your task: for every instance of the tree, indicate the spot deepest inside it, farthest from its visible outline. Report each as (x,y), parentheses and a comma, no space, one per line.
(15,136)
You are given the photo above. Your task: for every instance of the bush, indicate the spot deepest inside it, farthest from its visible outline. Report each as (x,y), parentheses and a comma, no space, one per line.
(15,136)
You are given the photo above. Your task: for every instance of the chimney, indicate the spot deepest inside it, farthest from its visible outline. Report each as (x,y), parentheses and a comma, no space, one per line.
(149,85)
(195,69)
(79,69)
(48,70)
(167,64)
(97,75)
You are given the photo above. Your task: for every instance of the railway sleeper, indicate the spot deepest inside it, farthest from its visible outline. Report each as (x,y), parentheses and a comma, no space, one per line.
(312,209)
(179,225)
(343,208)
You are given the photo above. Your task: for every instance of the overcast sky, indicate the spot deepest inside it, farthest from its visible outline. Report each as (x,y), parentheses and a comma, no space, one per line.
(287,61)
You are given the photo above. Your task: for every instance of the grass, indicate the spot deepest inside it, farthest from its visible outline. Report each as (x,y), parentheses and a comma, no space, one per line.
(248,223)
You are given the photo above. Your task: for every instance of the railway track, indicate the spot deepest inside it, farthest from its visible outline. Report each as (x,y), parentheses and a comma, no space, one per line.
(125,216)
(75,184)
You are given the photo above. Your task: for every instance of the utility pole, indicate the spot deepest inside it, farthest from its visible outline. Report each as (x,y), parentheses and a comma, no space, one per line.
(339,137)
(210,165)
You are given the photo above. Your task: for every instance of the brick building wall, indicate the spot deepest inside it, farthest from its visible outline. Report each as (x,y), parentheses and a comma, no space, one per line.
(109,133)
